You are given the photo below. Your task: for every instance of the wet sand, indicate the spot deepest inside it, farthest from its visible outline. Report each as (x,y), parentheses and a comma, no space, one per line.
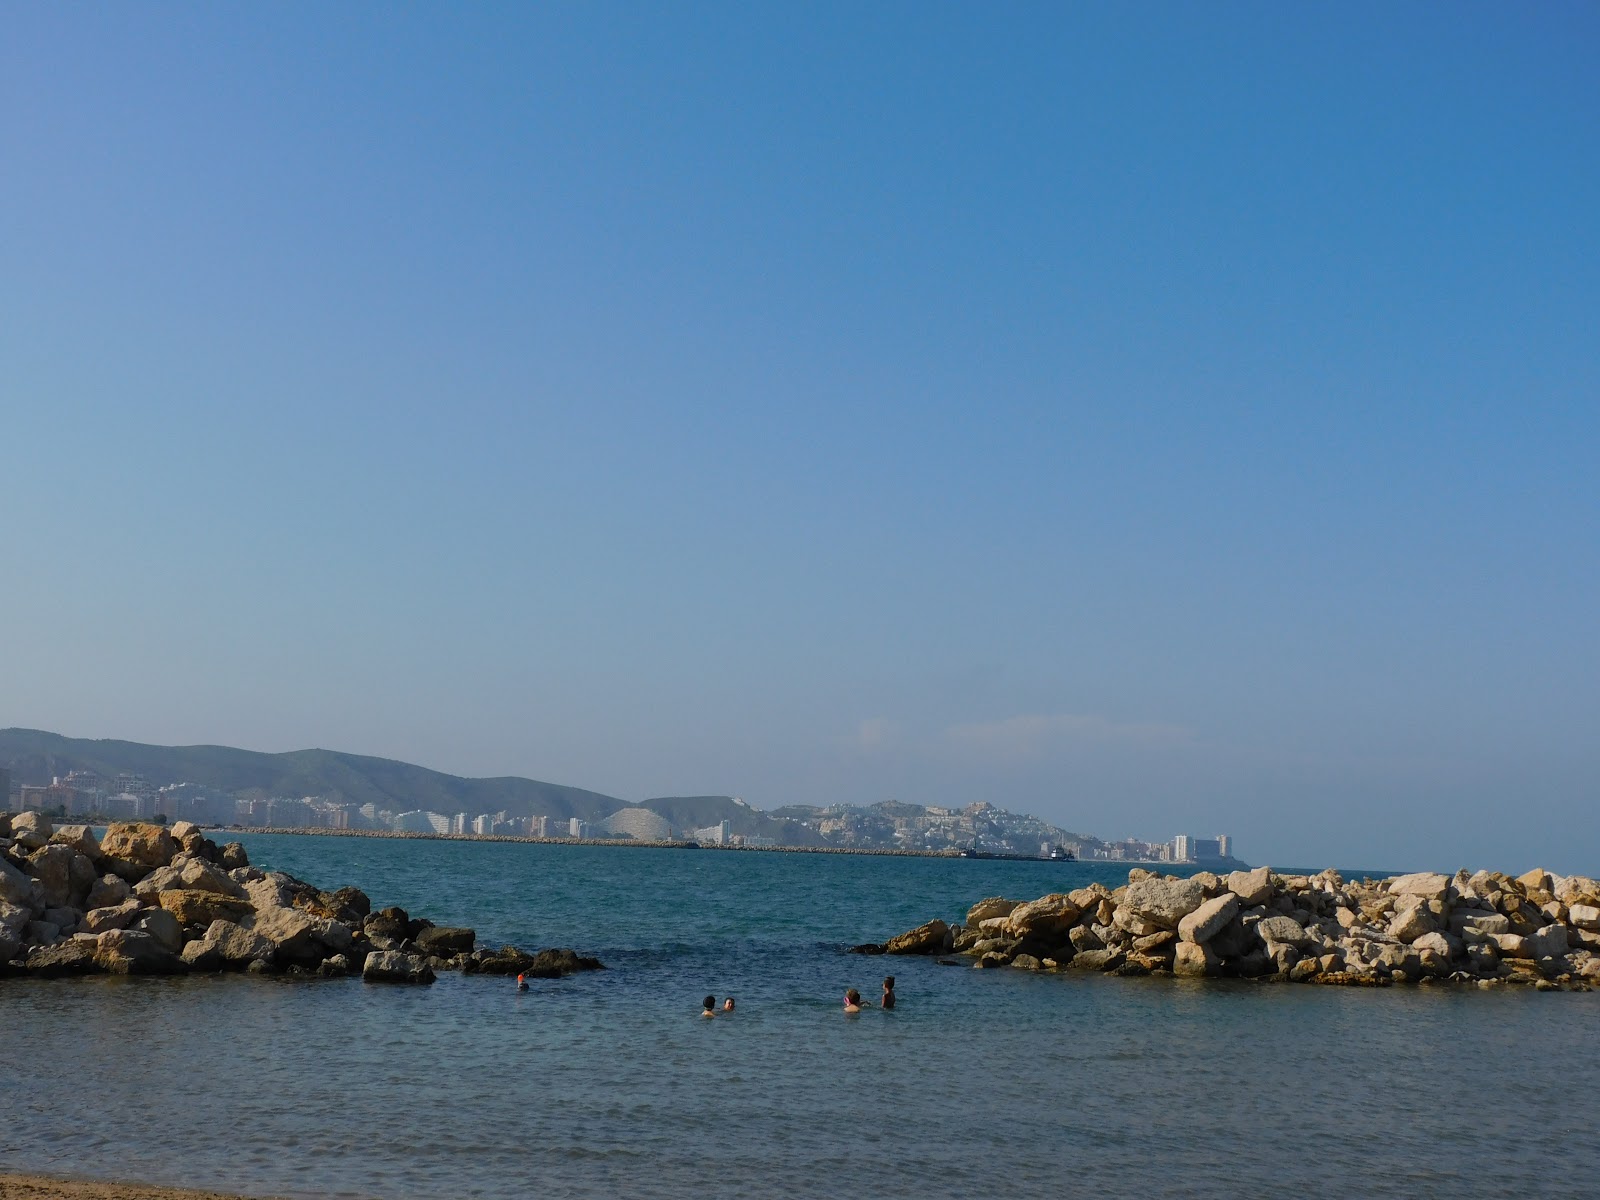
(39,1187)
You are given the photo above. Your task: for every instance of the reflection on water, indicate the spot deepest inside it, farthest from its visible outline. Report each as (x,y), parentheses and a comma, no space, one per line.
(992,1082)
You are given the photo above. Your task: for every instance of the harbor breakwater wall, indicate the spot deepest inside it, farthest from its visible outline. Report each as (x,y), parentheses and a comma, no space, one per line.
(1486,928)
(149,900)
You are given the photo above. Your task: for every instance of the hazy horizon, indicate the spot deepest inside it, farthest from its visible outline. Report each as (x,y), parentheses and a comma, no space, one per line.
(1159,420)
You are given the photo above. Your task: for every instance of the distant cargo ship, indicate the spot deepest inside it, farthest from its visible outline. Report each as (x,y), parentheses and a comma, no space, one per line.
(1055,854)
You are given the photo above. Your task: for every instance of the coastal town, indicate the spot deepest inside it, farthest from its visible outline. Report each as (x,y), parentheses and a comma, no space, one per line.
(888,825)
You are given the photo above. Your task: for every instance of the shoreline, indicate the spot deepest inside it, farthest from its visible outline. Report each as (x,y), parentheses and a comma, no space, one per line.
(24,1186)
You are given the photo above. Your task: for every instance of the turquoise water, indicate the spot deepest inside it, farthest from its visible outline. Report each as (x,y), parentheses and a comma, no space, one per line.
(979,1083)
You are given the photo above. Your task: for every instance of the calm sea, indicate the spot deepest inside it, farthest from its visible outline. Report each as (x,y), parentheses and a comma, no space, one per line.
(979,1083)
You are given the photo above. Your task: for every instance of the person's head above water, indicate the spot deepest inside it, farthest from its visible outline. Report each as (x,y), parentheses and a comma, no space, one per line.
(727,1005)
(852,998)
(710,1004)
(888,983)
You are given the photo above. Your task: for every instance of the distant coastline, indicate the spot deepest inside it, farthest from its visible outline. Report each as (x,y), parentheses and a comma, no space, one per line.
(883,852)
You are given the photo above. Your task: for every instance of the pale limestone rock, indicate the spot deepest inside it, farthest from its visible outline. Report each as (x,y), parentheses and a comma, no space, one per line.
(989,908)
(392,966)
(163,926)
(134,952)
(1549,942)
(1578,889)
(1133,923)
(1511,945)
(1027,962)
(183,829)
(31,830)
(1585,916)
(1048,917)
(140,843)
(1194,959)
(108,890)
(80,838)
(52,867)
(234,946)
(1163,902)
(202,908)
(1434,943)
(1411,923)
(1427,884)
(1205,922)
(119,916)
(1252,887)
(1282,929)
(1536,880)
(925,939)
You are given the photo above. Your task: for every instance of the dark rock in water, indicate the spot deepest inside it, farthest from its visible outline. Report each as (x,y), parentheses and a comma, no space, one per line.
(444,941)
(233,855)
(547,964)
(415,927)
(946,962)
(867,948)
(69,958)
(392,923)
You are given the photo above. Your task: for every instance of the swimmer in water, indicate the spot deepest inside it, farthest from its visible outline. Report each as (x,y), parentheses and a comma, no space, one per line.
(852,1001)
(522,983)
(727,1005)
(710,1009)
(888,993)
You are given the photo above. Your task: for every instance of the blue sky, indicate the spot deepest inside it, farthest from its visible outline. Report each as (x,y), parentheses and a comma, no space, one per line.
(1161,418)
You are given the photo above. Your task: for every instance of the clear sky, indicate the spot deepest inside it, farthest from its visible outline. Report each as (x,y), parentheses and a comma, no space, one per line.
(1159,417)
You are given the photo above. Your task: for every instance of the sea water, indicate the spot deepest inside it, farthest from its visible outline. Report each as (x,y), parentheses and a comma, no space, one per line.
(979,1083)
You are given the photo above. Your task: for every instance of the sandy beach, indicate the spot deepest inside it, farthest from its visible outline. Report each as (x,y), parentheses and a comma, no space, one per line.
(39,1187)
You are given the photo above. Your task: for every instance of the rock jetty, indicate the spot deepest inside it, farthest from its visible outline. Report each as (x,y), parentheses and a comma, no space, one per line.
(149,900)
(1487,929)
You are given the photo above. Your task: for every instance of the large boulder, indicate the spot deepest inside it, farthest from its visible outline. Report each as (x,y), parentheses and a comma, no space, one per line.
(117,916)
(931,938)
(78,837)
(75,957)
(10,944)
(394,966)
(30,830)
(52,867)
(1284,930)
(299,937)
(139,843)
(388,923)
(135,952)
(228,946)
(444,941)
(1163,902)
(1426,884)
(163,926)
(990,907)
(1549,942)
(1411,923)
(195,907)
(1205,922)
(106,891)
(1048,918)
(17,888)
(1195,959)
(233,856)
(1585,916)
(1578,889)
(1252,887)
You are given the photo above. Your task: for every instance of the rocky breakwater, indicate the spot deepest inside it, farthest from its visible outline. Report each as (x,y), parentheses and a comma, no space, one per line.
(1486,929)
(149,900)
